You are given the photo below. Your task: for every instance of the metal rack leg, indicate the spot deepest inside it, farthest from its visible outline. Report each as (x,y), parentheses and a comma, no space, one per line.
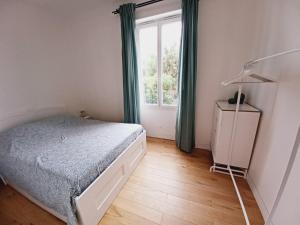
(3,180)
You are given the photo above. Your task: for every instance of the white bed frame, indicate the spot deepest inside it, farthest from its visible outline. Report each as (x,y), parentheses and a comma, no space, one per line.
(96,199)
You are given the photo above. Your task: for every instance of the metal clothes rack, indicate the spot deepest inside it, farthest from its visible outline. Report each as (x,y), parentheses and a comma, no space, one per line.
(245,77)
(2,178)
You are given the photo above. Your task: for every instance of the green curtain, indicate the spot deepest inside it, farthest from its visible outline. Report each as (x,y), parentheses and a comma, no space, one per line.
(130,68)
(185,123)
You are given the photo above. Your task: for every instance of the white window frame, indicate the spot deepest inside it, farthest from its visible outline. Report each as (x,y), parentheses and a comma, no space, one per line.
(148,23)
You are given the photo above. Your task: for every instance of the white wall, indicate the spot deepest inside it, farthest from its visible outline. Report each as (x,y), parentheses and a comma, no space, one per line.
(280,105)
(31,59)
(287,211)
(159,122)
(95,45)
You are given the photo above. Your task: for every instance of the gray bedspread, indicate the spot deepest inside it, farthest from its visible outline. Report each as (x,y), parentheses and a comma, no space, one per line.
(56,159)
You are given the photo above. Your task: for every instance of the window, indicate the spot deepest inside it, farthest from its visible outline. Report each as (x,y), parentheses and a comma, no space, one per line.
(158,48)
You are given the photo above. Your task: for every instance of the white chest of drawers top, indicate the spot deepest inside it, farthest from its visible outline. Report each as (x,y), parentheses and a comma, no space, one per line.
(247,123)
(225,106)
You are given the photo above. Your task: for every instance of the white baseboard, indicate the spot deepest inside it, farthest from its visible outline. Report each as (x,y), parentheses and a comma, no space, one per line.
(203,146)
(262,206)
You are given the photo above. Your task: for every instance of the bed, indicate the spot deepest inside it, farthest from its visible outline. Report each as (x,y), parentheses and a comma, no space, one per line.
(71,167)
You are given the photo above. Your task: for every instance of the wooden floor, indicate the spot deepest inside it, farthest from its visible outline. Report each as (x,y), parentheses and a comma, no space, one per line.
(169,187)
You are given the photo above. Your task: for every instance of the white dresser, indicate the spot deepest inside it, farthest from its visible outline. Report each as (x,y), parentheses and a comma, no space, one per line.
(247,123)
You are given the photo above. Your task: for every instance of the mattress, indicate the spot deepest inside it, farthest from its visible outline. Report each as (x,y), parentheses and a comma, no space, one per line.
(55,159)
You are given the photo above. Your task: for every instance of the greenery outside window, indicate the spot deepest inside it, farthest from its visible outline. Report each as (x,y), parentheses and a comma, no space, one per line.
(158,44)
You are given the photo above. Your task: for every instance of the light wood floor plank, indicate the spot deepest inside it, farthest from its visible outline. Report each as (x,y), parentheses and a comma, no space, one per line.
(142,210)
(127,218)
(174,220)
(169,187)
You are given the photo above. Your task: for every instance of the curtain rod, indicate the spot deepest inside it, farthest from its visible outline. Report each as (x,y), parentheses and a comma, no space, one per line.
(140,5)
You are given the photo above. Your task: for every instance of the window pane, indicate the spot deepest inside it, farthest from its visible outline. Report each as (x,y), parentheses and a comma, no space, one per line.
(148,57)
(171,33)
